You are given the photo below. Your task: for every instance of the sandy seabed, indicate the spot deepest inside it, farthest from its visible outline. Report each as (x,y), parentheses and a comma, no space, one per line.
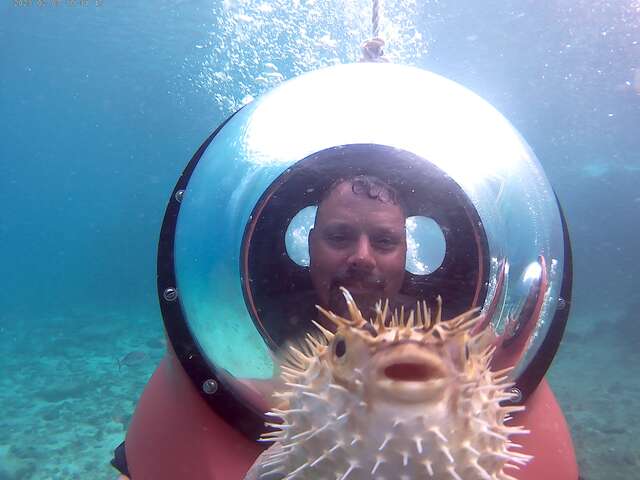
(66,403)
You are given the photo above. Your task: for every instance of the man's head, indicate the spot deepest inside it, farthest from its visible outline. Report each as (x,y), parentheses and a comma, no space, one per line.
(359,242)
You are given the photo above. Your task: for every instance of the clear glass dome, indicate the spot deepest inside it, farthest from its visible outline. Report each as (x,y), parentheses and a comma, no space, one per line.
(444,127)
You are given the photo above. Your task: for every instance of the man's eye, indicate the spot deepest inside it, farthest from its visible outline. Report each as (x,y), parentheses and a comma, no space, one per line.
(337,237)
(386,242)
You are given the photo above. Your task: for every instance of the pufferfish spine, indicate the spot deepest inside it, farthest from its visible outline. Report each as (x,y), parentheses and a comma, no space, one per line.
(414,399)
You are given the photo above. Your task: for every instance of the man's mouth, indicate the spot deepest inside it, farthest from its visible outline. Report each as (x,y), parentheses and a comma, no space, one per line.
(355,285)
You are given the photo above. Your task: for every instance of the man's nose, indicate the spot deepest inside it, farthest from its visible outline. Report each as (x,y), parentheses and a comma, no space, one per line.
(362,257)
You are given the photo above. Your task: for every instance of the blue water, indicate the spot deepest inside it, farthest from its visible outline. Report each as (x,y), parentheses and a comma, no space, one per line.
(103,103)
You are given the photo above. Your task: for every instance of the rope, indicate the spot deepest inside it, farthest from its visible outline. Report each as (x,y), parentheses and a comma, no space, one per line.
(373,49)
(375,19)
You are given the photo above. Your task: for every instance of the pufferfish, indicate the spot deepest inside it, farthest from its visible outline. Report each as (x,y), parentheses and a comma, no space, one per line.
(414,399)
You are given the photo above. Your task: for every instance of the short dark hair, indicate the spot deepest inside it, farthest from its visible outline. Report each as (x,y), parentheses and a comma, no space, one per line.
(370,187)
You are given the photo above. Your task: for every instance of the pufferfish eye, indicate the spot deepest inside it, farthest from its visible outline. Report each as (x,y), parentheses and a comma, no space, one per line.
(340,348)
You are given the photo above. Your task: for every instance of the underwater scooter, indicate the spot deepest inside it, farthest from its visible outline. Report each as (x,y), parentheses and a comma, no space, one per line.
(225,267)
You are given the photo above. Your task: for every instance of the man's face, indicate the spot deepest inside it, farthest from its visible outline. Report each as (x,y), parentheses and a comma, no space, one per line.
(358,243)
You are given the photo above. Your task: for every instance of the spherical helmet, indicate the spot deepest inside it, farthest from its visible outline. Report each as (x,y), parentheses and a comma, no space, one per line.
(483,226)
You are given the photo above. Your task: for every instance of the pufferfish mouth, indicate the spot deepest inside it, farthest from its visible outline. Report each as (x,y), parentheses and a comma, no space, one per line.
(409,372)
(412,371)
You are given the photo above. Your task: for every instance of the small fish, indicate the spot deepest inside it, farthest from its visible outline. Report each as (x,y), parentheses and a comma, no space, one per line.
(132,359)
(412,399)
